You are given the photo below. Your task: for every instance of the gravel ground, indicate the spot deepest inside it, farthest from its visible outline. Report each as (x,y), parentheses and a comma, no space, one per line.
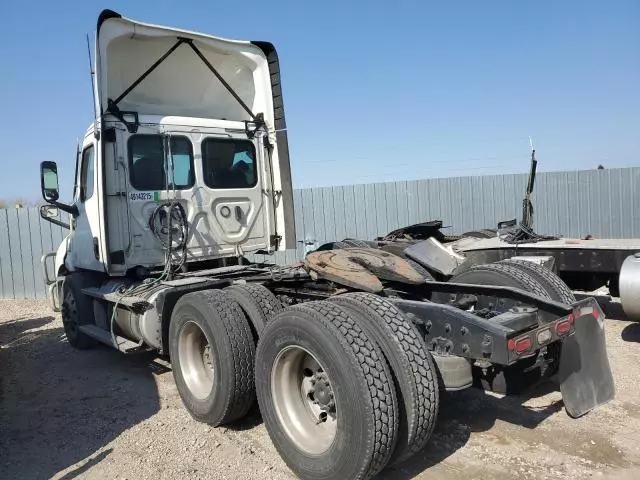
(99,414)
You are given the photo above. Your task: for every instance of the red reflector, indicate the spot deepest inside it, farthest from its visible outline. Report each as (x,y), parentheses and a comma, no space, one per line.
(519,346)
(563,328)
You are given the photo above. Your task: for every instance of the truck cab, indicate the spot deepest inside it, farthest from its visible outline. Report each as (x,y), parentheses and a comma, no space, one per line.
(189,130)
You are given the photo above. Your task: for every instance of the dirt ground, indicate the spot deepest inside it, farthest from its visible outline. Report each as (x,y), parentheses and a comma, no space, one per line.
(102,415)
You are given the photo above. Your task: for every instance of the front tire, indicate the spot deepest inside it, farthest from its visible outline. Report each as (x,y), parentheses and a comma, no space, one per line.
(325,393)
(77,309)
(212,357)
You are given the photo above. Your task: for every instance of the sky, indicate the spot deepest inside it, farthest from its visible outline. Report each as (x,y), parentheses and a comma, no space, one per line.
(374,91)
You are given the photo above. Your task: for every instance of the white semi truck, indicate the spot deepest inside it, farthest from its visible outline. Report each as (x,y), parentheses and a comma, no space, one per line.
(185,172)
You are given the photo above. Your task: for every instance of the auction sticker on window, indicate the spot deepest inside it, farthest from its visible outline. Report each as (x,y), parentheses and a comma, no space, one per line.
(144,196)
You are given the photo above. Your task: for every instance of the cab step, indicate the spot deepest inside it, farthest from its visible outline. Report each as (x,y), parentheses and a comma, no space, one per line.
(103,336)
(136,304)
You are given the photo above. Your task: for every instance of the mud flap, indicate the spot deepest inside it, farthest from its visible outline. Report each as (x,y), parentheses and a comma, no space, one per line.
(586,380)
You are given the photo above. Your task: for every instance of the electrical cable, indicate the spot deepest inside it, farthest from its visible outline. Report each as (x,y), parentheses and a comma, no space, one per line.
(161,224)
(522,234)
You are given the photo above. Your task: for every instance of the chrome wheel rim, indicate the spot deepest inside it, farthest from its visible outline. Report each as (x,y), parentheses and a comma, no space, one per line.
(196,360)
(304,400)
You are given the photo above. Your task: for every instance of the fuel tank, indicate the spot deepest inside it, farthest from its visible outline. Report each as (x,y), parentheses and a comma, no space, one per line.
(145,327)
(629,283)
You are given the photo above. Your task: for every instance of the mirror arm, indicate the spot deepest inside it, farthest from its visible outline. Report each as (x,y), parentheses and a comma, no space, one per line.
(57,222)
(70,209)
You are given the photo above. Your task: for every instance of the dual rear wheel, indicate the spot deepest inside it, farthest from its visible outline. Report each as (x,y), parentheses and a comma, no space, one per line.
(212,356)
(345,387)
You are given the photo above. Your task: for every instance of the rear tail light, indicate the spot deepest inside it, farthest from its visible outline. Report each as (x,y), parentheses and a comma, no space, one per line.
(544,336)
(563,328)
(547,334)
(520,346)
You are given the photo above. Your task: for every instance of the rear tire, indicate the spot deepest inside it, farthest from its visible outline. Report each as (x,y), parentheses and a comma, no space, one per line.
(556,290)
(351,373)
(257,303)
(411,366)
(552,283)
(77,309)
(494,274)
(513,378)
(354,243)
(212,356)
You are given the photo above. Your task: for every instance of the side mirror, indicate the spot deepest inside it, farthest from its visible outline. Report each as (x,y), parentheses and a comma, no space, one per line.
(49,211)
(49,181)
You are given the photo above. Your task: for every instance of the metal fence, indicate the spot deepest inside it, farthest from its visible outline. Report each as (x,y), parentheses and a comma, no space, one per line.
(597,202)
(24,238)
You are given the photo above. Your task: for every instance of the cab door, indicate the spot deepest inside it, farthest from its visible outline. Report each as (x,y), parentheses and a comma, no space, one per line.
(85,245)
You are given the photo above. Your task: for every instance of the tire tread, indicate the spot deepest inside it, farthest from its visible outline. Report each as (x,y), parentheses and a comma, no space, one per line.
(242,349)
(525,278)
(562,291)
(355,243)
(264,301)
(267,301)
(419,370)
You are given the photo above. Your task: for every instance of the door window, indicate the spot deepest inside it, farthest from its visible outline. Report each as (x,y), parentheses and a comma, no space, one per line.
(86,178)
(229,163)
(147,166)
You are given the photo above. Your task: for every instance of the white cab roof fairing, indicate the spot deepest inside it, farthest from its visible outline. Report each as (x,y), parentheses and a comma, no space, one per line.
(181,84)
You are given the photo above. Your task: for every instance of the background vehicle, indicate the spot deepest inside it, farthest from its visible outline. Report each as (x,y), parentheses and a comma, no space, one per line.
(184,171)
(585,264)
